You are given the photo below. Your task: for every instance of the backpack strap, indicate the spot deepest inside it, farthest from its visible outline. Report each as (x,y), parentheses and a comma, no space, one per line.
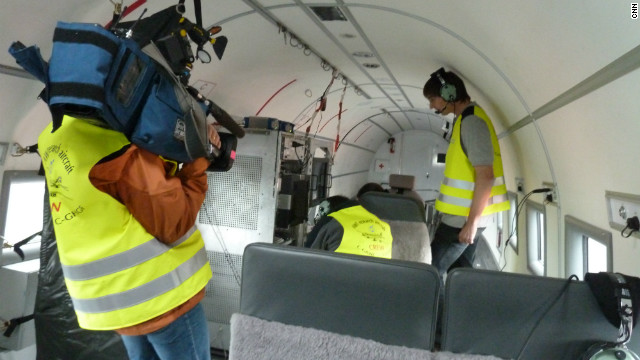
(624,304)
(12,324)
(470,110)
(17,246)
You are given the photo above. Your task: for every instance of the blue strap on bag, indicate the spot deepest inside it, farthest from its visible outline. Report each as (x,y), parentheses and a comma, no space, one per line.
(94,73)
(135,82)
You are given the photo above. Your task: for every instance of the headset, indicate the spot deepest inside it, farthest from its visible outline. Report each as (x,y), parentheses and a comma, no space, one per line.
(447,91)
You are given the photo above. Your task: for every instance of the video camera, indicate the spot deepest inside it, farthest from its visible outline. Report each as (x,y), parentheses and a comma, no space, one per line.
(140,71)
(172,34)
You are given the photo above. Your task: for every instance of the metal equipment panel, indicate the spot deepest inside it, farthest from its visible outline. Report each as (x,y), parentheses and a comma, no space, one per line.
(239,209)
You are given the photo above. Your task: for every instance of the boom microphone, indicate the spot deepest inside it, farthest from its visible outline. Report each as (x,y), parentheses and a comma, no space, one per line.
(438,112)
(225,119)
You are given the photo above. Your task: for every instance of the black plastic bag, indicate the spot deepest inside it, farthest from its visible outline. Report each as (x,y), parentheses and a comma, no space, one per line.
(58,335)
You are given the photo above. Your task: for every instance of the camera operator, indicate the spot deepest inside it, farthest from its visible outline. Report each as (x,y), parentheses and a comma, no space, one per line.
(124,218)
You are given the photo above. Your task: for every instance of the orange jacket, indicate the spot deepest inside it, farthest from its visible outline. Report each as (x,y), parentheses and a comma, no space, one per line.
(167,206)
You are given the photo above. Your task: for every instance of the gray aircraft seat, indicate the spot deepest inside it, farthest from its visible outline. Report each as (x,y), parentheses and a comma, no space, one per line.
(404,185)
(388,301)
(491,312)
(406,217)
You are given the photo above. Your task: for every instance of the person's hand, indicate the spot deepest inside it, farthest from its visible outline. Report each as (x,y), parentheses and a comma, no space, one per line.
(214,137)
(467,233)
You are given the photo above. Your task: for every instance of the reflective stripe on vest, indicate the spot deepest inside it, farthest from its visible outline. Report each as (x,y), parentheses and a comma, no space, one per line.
(467,202)
(364,233)
(117,274)
(124,260)
(468,185)
(146,292)
(456,190)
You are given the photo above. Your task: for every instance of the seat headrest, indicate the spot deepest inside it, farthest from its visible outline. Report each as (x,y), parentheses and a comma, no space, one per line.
(402,181)
(393,206)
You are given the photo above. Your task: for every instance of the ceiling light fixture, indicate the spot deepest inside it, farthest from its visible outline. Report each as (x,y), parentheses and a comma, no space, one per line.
(329,13)
(363,54)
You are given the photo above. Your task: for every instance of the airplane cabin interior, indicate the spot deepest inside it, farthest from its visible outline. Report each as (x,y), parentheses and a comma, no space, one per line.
(311,100)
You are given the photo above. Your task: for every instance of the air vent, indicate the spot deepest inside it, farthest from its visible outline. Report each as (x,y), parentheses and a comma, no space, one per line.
(329,13)
(371,65)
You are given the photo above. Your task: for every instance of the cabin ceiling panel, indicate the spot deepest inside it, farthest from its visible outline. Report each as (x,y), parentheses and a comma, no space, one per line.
(327,39)
(251,71)
(366,135)
(508,52)
(213,12)
(544,47)
(435,46)
(15,104)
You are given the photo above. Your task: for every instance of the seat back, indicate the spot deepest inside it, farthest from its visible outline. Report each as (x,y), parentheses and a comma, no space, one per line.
(388,301)
(404,185)
(491,312)
(406,217)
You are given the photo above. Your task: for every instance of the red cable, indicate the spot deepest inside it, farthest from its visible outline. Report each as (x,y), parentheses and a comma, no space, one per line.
(274,95)
(333,117)
(344,91)
(365,130)
(128,11)
(335,147)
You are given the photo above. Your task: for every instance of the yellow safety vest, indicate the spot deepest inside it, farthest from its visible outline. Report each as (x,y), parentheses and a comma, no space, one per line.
(117,274)
(456,190)
(364,233)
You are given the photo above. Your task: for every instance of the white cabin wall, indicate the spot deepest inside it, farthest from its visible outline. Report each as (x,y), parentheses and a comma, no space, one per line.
(26,133)
(593,144)
(350,170)
(414,154)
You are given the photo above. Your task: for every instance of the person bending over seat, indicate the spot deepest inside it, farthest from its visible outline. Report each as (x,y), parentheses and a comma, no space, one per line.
(349,228)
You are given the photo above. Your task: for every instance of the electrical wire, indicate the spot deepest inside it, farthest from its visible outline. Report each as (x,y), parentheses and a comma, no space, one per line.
(629,233)
(535,326)
(632,224)
(322,103)
(514,221)
(225,251)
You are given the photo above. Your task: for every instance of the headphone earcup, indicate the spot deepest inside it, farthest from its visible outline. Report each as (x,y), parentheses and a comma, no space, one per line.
(602,351)
(448,92)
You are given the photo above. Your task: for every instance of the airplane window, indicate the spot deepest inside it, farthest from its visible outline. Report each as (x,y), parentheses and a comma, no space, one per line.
(587,248)
(596,255)
(541,237)
(21,206)
(536,238)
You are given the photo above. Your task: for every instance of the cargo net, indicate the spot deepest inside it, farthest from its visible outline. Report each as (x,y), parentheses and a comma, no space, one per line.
(233,197)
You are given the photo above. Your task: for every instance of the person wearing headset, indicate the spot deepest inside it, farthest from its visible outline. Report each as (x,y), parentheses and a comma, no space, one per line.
(473,187)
